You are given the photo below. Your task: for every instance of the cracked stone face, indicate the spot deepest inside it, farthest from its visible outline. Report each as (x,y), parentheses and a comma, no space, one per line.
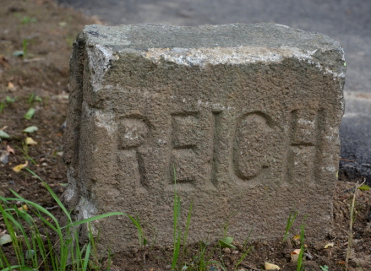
(244,118)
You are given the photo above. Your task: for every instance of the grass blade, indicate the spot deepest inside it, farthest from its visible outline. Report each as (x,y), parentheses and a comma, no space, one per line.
(242,257)
(175,253)
(30,113)
(290,221)
(188,223)
(55,197)
(142,240)
(92,219)
(87,255)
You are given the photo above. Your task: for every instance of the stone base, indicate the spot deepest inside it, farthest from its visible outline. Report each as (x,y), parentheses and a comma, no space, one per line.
(246,115)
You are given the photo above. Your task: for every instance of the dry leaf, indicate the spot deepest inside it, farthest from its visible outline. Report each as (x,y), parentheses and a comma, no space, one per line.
(4,135)
(5,239)
(295,255)
(10,86)
(296,239)
(10,149)
(23,208)
(30,141)
(30,129)
(4,61)
(329,245)
(19,167)
(271,266)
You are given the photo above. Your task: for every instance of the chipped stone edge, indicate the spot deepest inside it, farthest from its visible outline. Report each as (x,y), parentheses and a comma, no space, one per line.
(234,56)
(100,58)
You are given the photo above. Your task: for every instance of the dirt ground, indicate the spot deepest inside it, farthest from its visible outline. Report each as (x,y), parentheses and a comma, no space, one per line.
(36,39)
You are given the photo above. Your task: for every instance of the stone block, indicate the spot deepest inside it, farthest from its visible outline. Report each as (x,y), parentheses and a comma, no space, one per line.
(246,115)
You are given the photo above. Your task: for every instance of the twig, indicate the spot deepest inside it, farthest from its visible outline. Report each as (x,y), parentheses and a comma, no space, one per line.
(350,234)
(347,160)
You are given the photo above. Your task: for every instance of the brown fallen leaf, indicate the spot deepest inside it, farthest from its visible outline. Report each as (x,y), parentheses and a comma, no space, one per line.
(329,245)
(11,86)
(20,167)
(30,141)
(10,149)
(271,266)
(295,255)
(4,61)
(23,207)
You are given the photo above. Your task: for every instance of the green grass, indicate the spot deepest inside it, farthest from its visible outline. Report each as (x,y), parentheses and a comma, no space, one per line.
(25,151)
(290,221)
(178,237)
(39,241)
(357,187)
(201,261)
(25,43)
(8,100)
(32,98)
(142,240)
(300,263)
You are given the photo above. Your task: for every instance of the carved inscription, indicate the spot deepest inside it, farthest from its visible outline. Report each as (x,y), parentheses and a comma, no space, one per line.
(132,134)
(194,148)
(215,152)
(253,134)
(185,137)
(303,145)
(184,130)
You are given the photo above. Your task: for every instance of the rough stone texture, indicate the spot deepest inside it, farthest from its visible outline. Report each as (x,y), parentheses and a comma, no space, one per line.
(247,115)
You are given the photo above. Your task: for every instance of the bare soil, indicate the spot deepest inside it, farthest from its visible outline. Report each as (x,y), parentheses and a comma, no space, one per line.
(39,79)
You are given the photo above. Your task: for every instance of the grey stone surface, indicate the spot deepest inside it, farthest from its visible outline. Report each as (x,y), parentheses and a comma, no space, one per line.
(247,115)
(348,21)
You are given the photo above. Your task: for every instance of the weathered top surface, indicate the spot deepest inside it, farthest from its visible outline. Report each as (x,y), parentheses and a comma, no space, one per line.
(215,44)
(231,35)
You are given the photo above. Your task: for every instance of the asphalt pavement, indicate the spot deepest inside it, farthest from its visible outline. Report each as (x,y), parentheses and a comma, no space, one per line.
(348,21)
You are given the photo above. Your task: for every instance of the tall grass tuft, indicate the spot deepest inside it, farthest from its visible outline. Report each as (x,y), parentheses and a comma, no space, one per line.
(176,230)
(290,221)
(177,233)
(300,262)
(39,241)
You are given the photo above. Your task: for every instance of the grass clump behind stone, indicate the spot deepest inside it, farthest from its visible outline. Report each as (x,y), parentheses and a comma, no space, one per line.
(39,241)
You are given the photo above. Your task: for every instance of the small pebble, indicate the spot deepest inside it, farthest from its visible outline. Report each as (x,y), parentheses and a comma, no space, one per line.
(227,250)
